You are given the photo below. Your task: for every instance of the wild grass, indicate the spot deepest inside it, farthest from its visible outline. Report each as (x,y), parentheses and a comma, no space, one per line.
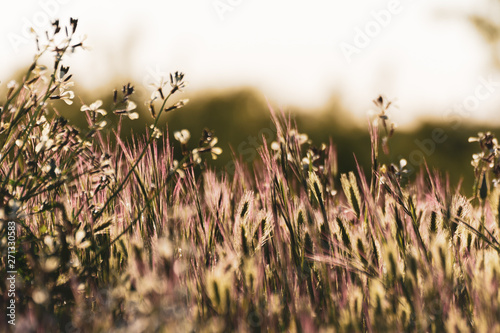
(123,238)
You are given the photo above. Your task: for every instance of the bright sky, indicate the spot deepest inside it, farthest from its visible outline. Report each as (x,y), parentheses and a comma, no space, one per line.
(421,53)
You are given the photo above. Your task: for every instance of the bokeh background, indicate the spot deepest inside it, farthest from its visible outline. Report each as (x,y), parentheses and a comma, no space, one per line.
(323,61)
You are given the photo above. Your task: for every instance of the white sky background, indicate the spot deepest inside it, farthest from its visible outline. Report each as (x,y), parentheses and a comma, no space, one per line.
(289,50)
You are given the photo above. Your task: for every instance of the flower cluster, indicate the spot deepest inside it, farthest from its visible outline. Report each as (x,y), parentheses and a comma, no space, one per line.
(124,106)
(486,161)
(207,144)
(59,39)
(177,83)
(383,105)
(96,115)
(288,143)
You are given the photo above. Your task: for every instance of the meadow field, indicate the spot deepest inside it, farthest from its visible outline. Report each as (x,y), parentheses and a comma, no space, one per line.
(103,232)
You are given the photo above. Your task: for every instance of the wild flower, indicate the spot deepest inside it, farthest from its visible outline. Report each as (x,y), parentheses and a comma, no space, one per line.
(487,141)
(301,138)
(486,162)
(78,240)
(399,170)
(382,116)
(45,141)
(275,146)
(95,115)
(313,156)
(208,146)
(66,96)
(176,168)
(158,89)
(215,151)
(94,108)
(51,169)
(177,82)
(156,132)
(128,110)
(182,136)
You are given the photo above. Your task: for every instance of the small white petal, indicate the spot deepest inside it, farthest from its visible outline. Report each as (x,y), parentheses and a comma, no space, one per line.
(80,234)
(133,115)
(185,133)
(12,84)
(39,147)
(97,104)
(131,106)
